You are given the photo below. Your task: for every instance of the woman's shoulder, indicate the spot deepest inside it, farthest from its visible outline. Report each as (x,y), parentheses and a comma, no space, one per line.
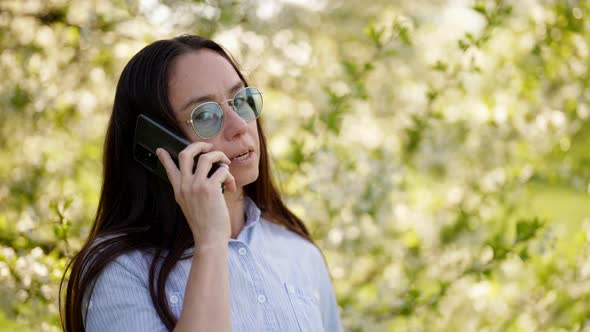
(134,261)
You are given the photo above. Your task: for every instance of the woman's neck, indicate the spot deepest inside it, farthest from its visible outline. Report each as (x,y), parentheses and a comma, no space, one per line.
(235,206)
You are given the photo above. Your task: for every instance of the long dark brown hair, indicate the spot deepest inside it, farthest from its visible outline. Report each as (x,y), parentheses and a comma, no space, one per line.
(136,209)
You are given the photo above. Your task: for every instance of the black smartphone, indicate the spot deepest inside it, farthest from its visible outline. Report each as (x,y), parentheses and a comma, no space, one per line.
(150,135)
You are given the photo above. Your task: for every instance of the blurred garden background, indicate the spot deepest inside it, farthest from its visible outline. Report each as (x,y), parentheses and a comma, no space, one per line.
(438,150)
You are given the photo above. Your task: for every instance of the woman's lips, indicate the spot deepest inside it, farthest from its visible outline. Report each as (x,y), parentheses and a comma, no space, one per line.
(241,156)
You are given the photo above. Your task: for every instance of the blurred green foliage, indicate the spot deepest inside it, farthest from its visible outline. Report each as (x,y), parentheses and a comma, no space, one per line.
(438,150)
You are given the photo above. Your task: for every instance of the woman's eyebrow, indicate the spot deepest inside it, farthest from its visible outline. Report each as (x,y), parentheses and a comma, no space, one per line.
(205,98)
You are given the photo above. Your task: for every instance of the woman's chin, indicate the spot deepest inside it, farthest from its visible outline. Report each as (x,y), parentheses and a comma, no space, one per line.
(244,179)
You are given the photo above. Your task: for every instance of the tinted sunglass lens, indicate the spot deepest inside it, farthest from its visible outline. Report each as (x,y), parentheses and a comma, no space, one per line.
(248,103)
(207,120)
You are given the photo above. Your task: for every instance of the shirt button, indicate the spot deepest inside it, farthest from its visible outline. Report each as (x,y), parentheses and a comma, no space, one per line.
(261,298)
(174,299)
(242,251)
(291,289)
(316,295)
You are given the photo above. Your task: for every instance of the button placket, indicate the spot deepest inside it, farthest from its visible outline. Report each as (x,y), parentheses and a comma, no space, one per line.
(175,299)
(247,258)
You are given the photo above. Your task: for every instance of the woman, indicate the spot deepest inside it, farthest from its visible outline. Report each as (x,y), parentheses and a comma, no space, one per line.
(186,255)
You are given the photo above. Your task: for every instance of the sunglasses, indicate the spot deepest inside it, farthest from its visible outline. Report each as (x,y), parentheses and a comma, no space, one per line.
(207,118)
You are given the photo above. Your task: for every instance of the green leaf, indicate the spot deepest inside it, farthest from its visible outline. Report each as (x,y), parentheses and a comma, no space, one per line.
(375,34)
(480,8)
(20,97)
(463,45)
(526,230)
(404,35)
(440,66)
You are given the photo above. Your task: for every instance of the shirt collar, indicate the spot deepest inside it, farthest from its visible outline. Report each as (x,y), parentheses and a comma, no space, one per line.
(252,213)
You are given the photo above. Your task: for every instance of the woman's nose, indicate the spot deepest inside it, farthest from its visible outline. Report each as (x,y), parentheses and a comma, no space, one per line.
(234,125)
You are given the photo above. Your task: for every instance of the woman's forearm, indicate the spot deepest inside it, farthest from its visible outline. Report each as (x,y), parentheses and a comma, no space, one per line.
(206,300)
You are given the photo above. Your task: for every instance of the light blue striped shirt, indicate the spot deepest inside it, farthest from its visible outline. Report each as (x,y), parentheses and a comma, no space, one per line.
(278,282)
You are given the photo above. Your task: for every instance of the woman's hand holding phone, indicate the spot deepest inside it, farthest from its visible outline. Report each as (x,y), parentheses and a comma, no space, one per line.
(200,197)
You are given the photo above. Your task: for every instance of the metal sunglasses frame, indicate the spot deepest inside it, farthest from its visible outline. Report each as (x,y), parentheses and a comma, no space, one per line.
(231,103)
